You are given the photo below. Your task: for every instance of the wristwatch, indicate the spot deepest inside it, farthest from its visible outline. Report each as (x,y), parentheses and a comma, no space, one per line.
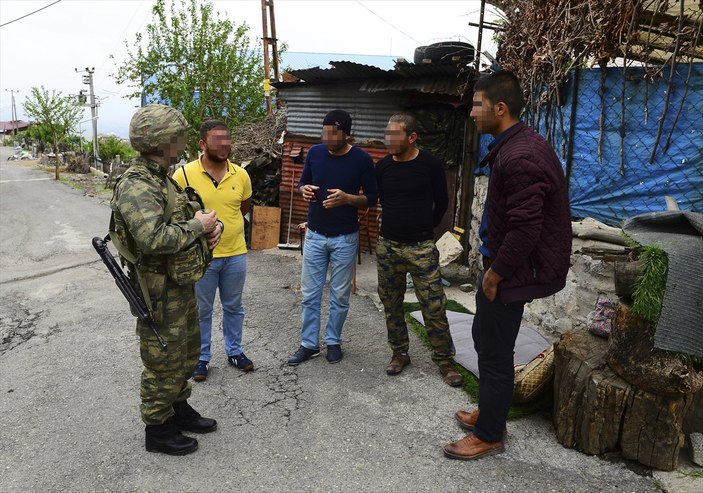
(222,226)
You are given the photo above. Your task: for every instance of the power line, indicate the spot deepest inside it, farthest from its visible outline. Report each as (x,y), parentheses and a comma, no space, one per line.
(384,20)
(27,15)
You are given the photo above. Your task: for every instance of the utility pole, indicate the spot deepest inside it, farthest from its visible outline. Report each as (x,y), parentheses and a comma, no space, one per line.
(14,112)
(88,79)
(270,41)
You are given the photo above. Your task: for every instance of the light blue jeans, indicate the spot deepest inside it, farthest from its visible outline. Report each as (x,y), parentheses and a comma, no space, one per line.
(319,252)
(228,274)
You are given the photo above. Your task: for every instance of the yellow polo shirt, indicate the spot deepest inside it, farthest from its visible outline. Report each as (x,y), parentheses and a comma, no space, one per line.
(226,199)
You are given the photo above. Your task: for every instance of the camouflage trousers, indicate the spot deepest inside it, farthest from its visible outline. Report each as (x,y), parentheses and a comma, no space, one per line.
(421,260)
(166,374)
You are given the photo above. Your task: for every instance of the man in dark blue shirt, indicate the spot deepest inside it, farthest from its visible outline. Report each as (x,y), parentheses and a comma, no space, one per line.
(337,180)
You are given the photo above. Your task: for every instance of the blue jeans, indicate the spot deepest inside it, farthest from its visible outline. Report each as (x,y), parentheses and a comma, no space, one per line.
(319,252)
(228,274)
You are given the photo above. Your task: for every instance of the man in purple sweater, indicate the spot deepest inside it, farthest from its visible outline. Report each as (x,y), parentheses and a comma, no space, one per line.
(527,256)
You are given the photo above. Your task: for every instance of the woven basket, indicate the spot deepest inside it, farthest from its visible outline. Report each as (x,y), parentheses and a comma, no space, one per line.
(535,377)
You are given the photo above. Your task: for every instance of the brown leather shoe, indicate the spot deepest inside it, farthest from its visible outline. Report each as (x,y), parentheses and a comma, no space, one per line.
(467,420)
(450,376)
(398,362)
(472,447)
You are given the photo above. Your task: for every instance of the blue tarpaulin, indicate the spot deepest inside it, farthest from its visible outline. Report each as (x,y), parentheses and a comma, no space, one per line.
(597,187)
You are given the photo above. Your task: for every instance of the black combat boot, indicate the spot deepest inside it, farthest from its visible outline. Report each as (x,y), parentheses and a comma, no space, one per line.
(188,419)
(167,439)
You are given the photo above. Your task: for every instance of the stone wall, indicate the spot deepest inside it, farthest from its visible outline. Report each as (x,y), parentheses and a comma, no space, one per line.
(568,308)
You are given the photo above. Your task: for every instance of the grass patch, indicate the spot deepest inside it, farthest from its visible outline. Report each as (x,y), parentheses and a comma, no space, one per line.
(68,181)
(470,386)
(649,289)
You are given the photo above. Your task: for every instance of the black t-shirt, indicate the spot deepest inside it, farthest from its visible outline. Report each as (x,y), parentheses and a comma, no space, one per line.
(413,195)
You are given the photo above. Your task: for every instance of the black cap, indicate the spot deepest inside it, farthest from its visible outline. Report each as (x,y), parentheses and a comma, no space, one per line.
(340,118)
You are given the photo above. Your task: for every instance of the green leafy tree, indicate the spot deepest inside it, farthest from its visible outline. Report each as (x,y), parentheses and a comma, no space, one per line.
(197,62)
(55,115)
(112,146)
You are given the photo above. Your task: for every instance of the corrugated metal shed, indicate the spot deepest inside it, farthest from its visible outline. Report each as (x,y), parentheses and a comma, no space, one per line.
(371,95)
(306,106)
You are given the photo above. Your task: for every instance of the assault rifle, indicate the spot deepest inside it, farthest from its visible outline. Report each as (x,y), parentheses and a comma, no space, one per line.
(123,283)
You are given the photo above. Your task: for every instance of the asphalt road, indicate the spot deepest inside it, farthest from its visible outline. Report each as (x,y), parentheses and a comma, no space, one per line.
(69,381)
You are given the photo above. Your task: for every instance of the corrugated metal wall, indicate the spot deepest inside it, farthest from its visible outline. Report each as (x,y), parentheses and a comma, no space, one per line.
(307,105)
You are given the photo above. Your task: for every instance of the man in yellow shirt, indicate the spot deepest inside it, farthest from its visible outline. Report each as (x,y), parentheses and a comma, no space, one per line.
(226,189)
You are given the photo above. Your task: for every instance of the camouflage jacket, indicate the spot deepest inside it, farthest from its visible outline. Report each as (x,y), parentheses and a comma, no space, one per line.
(138,202)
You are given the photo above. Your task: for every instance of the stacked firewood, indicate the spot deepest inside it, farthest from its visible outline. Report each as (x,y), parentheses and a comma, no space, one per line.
(258,147)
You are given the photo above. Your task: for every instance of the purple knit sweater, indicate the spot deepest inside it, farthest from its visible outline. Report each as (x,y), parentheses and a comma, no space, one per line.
(529,220)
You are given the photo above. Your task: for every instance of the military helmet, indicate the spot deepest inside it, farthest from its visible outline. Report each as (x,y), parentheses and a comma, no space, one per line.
(154,125)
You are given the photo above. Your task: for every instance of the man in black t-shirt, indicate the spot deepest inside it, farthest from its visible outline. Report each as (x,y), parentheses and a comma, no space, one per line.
(412,189)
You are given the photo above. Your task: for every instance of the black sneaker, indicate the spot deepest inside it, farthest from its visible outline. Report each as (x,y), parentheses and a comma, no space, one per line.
(201,370)
(303,354)
(334,353)
(241,361)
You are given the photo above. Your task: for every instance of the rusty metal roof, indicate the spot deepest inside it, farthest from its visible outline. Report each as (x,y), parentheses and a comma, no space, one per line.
(452,86)
(13,125)
(431,79)
(340,71)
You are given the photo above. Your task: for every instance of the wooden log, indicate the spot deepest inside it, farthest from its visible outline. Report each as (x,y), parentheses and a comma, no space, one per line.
(693,423)
(595,230)
(626,276)
(632,356)
(577,355)
(600,416)
(652,429)
(596,411)
(588,246)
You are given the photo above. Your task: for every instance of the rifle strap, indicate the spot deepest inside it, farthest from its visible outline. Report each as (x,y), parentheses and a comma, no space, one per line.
(127,254)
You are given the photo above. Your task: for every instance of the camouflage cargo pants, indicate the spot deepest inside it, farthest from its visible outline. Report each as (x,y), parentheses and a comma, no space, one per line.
(421,260)
(166,372)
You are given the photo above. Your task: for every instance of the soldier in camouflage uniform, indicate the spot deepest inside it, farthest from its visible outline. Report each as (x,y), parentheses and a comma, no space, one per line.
(412,189)
(141,208)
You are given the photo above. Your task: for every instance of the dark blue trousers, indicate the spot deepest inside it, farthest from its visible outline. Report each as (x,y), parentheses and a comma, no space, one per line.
(494,332)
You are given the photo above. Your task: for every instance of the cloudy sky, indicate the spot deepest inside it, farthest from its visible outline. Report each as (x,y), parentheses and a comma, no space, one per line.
(46,47)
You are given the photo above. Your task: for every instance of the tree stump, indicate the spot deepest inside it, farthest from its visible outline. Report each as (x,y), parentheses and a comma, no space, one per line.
(584,391)
(631,354)
(596,411)
(652,429)
(694,418)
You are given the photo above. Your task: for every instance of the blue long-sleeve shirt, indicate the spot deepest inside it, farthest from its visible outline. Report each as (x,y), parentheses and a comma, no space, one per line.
(353,173)
(484,249)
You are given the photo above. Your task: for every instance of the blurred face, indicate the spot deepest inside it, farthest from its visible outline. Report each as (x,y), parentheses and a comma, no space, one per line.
(173,151)
(218,144)
(334,138)
(484,114)
(397,140)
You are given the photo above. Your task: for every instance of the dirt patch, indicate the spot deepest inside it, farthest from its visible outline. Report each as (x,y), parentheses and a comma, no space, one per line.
(91,184)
